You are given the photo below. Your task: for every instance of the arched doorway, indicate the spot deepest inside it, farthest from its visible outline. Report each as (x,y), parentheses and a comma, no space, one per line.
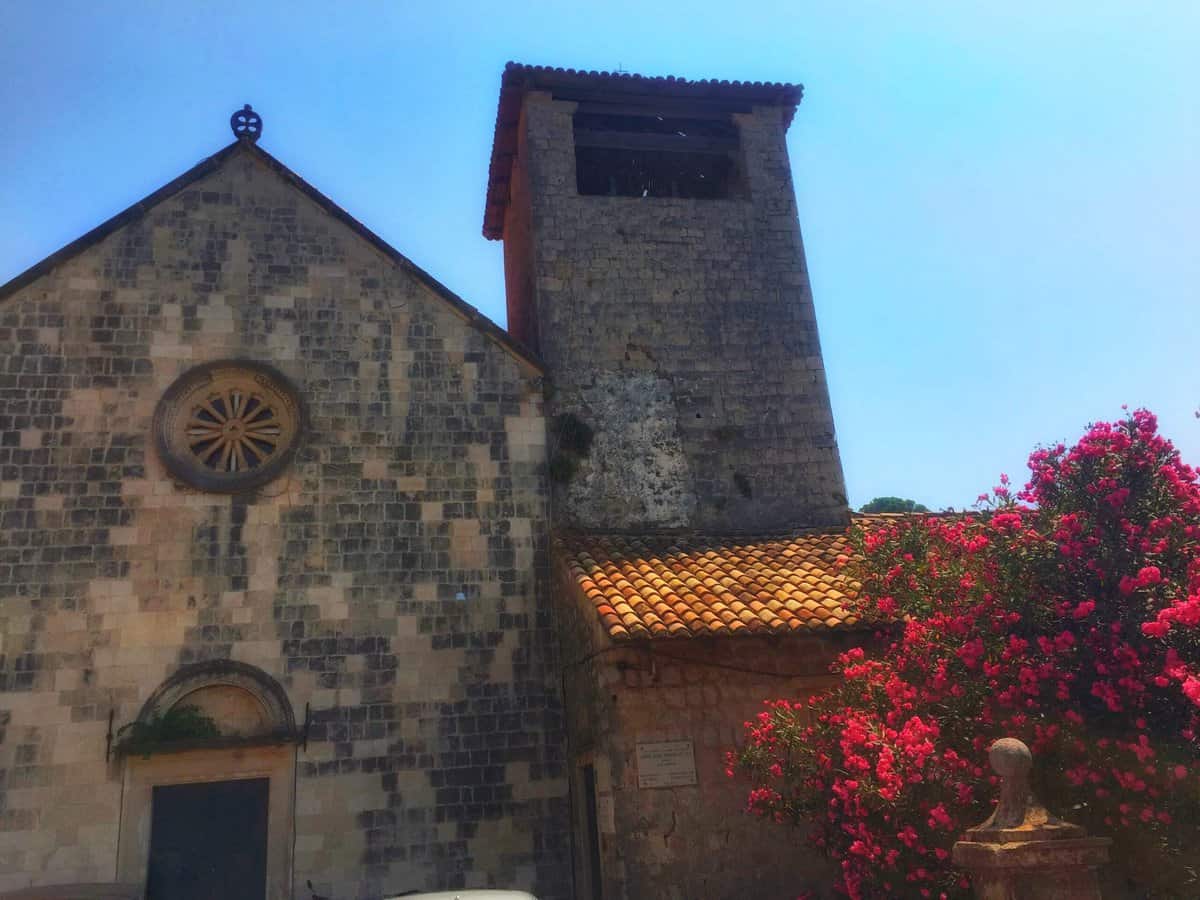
(209,788)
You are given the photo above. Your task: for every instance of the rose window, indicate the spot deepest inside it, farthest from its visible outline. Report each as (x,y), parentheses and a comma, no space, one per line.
(228,426)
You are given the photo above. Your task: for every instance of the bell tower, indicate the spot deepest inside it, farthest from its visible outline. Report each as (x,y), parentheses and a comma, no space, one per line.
(653,259)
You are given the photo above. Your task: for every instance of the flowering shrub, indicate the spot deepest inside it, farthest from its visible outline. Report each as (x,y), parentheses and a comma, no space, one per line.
(1066,614)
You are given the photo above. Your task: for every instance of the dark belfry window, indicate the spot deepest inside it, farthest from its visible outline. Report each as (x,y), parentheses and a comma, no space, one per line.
(651,155)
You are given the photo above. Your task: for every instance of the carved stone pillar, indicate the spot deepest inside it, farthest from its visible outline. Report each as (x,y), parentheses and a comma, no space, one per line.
(1022,852)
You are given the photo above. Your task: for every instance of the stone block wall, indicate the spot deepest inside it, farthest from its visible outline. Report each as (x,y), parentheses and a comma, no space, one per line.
(690,842)
(393,580)
(683,332)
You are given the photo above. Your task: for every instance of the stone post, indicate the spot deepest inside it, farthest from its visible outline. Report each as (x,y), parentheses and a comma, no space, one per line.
(1022,852)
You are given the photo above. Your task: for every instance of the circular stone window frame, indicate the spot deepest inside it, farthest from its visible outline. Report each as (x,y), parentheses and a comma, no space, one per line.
(187,468)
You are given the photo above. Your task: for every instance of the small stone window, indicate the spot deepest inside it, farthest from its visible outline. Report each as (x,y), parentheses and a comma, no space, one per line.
(228,426)
(644,154)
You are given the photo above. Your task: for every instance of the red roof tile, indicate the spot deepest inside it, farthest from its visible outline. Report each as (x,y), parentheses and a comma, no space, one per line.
(676,586)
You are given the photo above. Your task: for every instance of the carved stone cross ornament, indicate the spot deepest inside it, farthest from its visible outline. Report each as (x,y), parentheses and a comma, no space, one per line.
(246,124)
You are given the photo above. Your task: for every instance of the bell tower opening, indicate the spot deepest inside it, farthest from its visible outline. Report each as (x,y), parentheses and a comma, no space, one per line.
(640,153)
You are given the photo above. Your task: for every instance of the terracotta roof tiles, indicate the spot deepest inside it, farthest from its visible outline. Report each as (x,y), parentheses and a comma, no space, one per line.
(688,586)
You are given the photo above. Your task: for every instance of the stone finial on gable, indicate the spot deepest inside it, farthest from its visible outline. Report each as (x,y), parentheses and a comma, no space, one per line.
(246,124)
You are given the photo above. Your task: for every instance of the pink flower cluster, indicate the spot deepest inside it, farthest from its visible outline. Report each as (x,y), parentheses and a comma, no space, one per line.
(1066,614)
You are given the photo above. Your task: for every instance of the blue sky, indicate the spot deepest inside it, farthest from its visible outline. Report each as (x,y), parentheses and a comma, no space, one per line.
(1000,202)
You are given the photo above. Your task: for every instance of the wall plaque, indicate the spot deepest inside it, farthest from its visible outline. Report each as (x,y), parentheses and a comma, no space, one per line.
(666,764)
(606,818)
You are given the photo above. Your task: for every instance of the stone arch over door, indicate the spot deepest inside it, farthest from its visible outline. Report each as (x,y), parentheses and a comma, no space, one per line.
(244,701)
(256,743)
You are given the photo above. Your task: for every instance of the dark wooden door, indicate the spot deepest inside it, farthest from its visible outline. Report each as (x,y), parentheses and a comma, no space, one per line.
(209,841)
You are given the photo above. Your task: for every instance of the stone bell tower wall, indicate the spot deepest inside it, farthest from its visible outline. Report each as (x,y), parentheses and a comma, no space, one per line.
(679,334)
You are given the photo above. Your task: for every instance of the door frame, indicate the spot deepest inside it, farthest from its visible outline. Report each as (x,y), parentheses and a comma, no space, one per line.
(588,849)
(142,774)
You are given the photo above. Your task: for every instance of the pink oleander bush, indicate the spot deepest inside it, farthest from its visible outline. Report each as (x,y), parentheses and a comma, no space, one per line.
(1066,614)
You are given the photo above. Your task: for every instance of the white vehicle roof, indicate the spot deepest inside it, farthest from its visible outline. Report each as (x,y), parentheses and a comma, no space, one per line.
(467,895)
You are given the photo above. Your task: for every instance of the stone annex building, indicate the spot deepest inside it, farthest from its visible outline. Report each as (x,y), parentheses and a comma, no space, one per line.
(314,582)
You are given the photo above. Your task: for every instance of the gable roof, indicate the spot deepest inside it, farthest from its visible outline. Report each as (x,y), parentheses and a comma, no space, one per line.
(571,84)
(664,586)
(206,167)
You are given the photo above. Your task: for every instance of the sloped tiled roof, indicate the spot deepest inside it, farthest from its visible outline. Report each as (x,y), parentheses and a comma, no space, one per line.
(676,586)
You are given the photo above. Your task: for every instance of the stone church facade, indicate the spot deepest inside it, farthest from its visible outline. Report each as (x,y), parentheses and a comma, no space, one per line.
(314,582)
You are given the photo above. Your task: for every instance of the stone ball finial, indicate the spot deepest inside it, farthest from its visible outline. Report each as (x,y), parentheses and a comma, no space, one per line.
(1010,758)
(246,124)
(1018,817)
